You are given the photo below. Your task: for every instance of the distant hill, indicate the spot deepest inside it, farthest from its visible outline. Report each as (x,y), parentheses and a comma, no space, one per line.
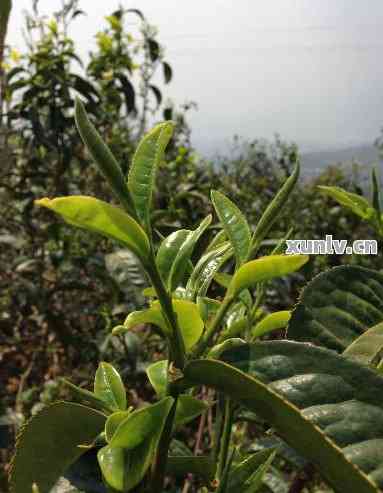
(314,162)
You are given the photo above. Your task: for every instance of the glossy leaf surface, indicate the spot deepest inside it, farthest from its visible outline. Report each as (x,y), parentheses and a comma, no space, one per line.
(326,406)
(148,155)
(48,444)
(100,217)
(158,376)
(141,423)
(168,251)
(234,225)
(273,321)
(113,422)
(337,307)
(189,320)
(367,348)
(264,269)
(109,387)
(356,203)
(113,467)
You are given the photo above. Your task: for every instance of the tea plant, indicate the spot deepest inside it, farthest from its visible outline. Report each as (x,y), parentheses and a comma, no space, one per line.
(328,407)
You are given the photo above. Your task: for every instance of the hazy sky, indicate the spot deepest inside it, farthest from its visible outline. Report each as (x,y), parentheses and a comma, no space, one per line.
(308,69)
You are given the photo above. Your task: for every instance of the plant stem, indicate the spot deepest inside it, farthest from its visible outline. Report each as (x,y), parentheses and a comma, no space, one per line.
(159,465)
(177,346)
(210,332)
(225,440)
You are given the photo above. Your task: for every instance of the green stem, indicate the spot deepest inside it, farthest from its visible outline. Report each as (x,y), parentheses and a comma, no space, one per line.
(210,332)
(177,346)
(225,440)
(160,463)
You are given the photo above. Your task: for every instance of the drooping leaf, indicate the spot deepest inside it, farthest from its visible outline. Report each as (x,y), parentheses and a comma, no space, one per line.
(48,444)
(234,225)
(181,466)
(102,156)
(168,251)
(367,348)
(264,269)
(157,94)
(273,321)
(188,408)
(98,216)
(338,306)
(109,387)
(189,320)
(158,376)
(149,153)
(274,209)
(139,424)
(356,203)
(168,73)
(326,406)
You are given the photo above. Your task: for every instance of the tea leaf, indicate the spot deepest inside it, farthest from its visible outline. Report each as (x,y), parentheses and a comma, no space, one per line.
(264,269)
(100,217)
(326,406)
(168,251)
(368,347)
(113,466)
(180,466)
(274,209)
(103,157)
(48,444)
(273,321)
(234,225)
(188,408)
(242,472)
(158,376)
(113,422)
(189,320)
(149,154)
(139,424)
(108,386)
(356,203)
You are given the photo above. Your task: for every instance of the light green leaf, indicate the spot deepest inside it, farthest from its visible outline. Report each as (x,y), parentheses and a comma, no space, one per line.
(223,279)
(188,408)
(168,251)
(234,225)
(264,269)
(158,376)
(189,320)
(114,421)
(113,466)
(103,157)
(149,154)
(337,306)
(48,444)
(180,263)
(98,216)
(273,321)
(367,349)
(109,387)
(326,406)
(87,397)
(133,429)
(207,307)
(274,209)
(356,203)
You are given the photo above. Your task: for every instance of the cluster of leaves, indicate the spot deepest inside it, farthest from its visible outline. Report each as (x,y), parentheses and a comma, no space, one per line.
(308,394)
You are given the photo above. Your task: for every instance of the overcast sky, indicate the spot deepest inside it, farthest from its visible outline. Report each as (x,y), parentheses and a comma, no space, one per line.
(310,70)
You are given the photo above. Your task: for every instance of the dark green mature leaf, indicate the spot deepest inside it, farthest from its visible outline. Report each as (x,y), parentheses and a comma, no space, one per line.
(149,153)
(103,157)
(264,269)
(274,209)
(98,216)
(108,386)
(326,406)
(188,408)
(367,349)
(48,444)
(337,306)
(201,466)
(234,225)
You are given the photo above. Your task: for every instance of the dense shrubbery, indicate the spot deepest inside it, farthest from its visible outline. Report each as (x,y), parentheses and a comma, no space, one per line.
(61,290)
